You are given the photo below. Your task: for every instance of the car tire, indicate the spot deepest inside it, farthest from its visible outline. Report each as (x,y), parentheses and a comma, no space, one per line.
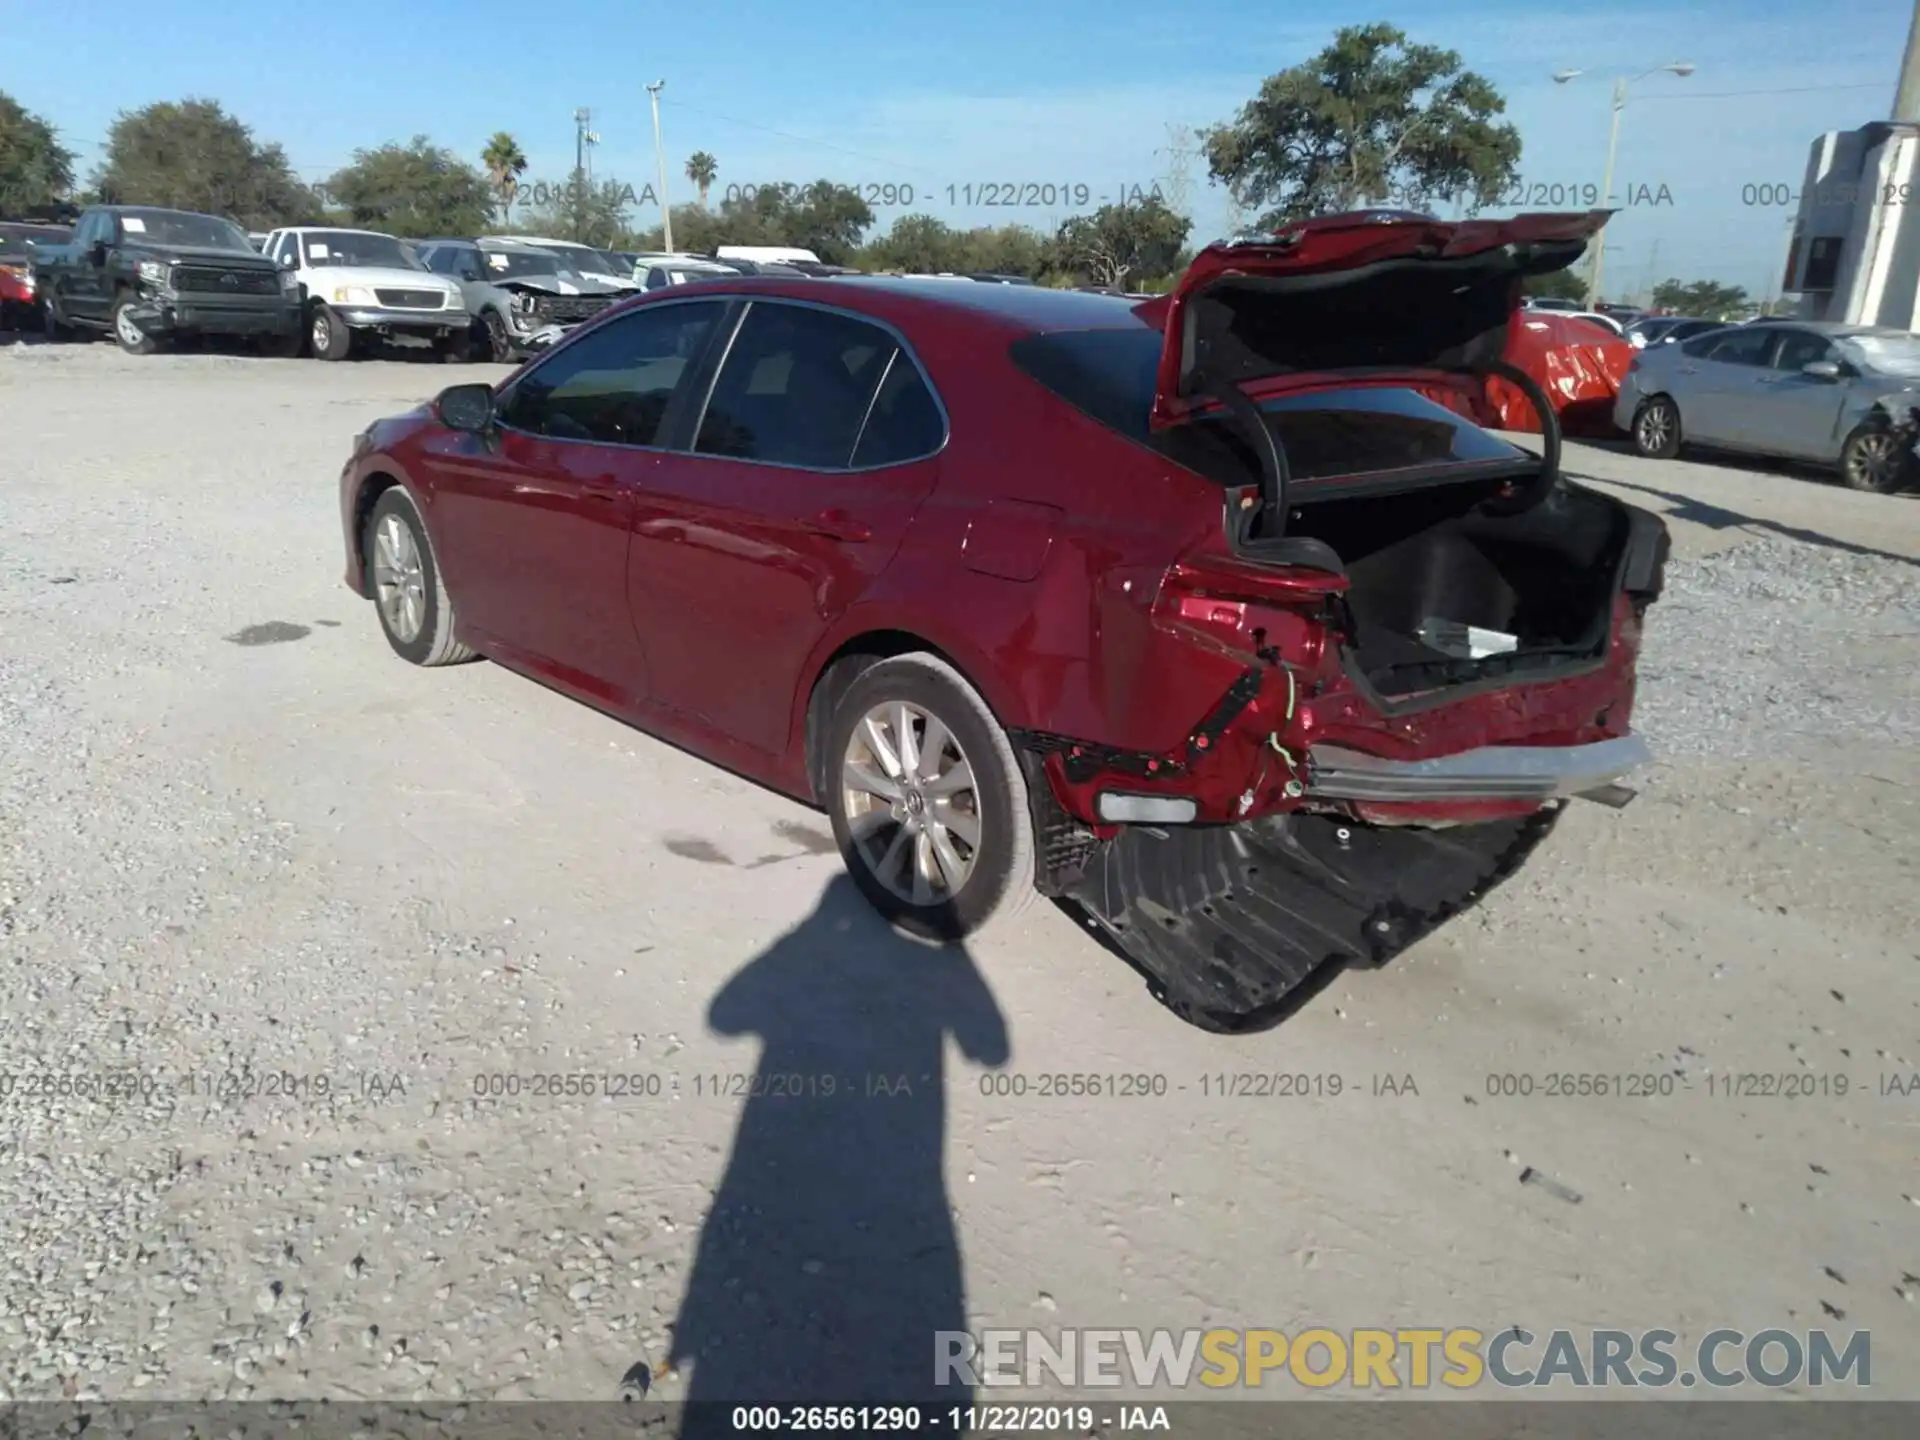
(329,336)
(970,846)
(1656,428)
(1873,459)
(130,336)
(492,341)
(52,325)
(409,596)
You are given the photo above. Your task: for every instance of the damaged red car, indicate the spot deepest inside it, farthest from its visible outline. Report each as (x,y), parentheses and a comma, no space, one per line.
(1212,616)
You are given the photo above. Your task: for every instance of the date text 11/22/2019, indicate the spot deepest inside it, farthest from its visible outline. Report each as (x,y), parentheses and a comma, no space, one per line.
(992,194)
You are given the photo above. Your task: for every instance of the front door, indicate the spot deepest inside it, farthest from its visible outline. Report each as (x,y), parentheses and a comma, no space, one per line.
(1798,414)
(534,525)
(811,455)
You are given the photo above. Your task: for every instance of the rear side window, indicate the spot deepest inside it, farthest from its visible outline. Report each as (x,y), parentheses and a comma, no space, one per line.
(612,385)
(795,388)
(904,423)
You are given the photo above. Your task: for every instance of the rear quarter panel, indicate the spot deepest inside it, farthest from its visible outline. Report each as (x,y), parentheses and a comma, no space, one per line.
(1037,559)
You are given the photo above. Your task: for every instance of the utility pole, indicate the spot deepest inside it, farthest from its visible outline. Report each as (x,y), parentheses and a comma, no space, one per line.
(1906,99)
(660,159)
(1653,274)
(582,118)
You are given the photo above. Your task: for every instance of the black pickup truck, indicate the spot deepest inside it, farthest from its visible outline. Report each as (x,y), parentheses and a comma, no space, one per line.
(149,275)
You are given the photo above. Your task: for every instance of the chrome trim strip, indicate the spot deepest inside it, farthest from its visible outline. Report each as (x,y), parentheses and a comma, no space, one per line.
(1497,772)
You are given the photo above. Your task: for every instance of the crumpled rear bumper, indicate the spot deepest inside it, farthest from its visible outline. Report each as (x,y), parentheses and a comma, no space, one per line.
(1492,773)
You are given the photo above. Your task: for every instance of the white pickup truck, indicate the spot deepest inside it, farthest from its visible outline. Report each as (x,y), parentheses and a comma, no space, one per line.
(362,285)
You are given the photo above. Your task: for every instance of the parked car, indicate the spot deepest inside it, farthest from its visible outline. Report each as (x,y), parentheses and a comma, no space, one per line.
(767,254)
(1837,395)
(992,279)
(662,273)
(149,275)
(596,265)
(1624,315)
(1197,613)
(19,242)
(1552,302)
(522,297)
(363,285)
(1668,330)
(1605,322)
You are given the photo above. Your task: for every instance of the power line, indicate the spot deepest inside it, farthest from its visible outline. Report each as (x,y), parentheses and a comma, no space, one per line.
(1646,99)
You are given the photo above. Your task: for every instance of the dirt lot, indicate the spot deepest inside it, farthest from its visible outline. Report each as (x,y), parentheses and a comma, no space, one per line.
(237,836)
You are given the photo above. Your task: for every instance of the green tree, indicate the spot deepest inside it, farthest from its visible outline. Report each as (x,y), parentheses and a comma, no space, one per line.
(587,211)
(918,243)
(505,163)
(702,170)
(823,217)
(36,170)
(1007,250)
(1119,241)
(192,155)
(1702,299)
(416,189)
(1556,285)
(1369,120)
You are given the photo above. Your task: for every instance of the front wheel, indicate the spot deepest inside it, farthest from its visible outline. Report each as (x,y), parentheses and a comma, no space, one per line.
(491,339)
(1656,429)
(329,335)
(1875,459)
(416,614)
(927,800)
(127,331)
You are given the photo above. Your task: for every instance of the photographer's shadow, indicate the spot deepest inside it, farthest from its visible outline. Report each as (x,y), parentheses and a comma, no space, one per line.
(829,1258)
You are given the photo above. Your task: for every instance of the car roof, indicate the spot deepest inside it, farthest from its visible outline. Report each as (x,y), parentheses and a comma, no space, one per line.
(1027,308)
(345,230)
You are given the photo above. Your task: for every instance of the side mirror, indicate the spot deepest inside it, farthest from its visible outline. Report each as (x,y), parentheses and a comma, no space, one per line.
(1822,370)
(97,252)
(467,408)
(287,262)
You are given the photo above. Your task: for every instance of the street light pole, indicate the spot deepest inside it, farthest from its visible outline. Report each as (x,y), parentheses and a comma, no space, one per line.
(1679,67)
(660,159)
(1606,192)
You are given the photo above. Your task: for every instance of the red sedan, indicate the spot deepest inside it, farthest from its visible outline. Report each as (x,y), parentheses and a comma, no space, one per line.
(1212,615)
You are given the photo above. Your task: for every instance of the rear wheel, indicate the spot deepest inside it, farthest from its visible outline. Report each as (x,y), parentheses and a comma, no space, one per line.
(927,800)
(416,614)
(1656,429)
(329,335)
(1875,459)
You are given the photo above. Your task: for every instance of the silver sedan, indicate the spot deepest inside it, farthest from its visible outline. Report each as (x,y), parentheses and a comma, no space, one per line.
(1838,395)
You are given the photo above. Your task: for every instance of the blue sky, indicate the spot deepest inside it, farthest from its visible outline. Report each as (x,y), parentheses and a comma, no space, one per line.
(947,94)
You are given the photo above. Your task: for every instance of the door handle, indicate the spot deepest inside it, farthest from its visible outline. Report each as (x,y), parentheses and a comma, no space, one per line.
(838,525)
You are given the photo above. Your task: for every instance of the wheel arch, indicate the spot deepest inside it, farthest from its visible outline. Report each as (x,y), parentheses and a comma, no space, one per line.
(829,678)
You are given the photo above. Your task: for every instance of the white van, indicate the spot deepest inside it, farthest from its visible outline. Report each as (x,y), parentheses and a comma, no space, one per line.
(766,254)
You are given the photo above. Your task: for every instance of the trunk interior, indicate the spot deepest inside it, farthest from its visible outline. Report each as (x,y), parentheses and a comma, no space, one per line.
(1447,591)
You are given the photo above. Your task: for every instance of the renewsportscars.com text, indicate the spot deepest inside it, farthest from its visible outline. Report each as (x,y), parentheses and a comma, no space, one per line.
(1405,1358)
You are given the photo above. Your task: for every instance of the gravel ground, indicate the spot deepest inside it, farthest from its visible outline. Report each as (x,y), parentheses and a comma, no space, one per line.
(238,838)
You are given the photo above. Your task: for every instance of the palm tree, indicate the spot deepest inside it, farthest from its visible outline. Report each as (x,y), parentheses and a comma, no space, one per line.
(506,162)
(701,168)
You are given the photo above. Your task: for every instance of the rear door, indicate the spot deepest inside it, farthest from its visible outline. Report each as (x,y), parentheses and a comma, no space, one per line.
(534,525)
(808,458)
(1798,414)
(1717,384)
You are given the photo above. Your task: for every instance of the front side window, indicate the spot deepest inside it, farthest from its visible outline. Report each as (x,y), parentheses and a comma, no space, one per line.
(795,388)
(613,384)
(1801,348)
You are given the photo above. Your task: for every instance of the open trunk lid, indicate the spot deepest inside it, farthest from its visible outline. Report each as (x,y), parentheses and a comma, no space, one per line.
(1376,291)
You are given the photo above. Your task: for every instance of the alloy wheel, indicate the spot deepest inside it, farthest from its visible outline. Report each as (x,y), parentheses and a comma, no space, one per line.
(399,579)
(1655,428)
(322,332)
(130,334)
(1872,460)
(907,793)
